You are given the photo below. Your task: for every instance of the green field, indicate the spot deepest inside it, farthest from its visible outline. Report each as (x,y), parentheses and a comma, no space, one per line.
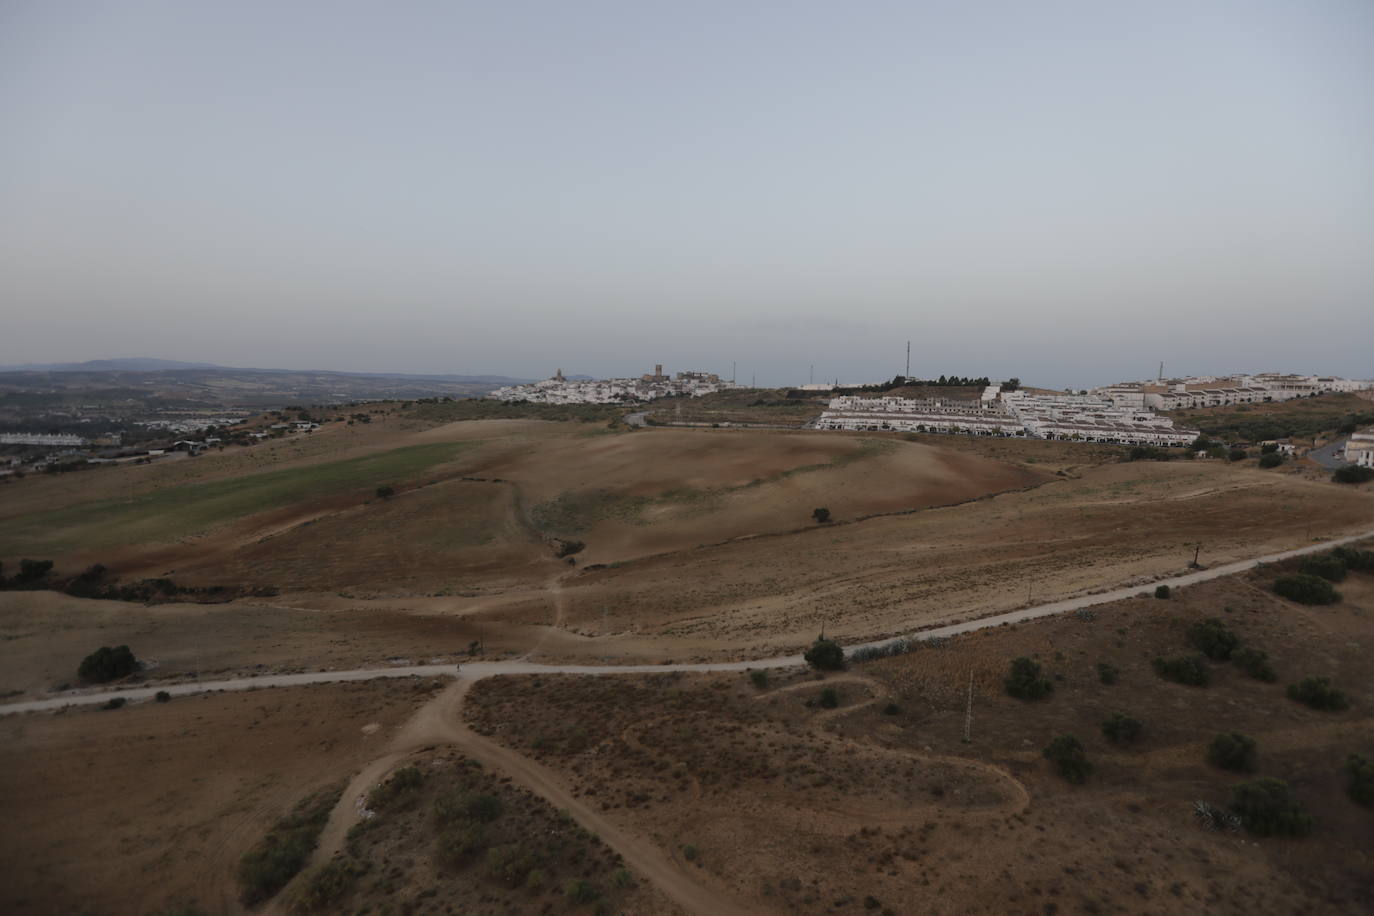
(175,512)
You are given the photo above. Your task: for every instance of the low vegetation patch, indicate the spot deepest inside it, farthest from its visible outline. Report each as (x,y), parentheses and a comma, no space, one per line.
(1359,772)
(1069,759)
(1183,669)
(1121,728)
(1353,473)
(1255,663)
(1107,673)
(1233,751)
(396,791)
(1025,682)
(278,856)
(1213,638)
(1266,807)
(1329,566)
(1306,588)
(1318,693)
(107,664)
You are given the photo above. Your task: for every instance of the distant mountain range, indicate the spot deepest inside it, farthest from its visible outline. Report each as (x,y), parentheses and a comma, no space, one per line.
(148,364)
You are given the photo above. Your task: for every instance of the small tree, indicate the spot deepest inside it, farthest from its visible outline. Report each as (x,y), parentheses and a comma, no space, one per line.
(1067,754)
(1238,454)
(1359,772)
(1255,663)
(759,678)
(1161,591)
(386,492)
(825,655)
(821,515)
(1121,728)
(1025,681)
(1318,693)
(1108,674)
(1266,807)
(106,664)
(1213,638)
(1232,751)
(1305,588)
(1270,460)
(1352,473)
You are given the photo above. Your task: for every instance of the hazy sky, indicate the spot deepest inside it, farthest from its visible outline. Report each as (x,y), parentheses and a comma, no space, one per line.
(1064,191)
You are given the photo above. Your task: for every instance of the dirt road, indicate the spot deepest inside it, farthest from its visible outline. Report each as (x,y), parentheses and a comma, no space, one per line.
(477,670)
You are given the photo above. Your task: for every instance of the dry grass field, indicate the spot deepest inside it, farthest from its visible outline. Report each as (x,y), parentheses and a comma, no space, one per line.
(794,807)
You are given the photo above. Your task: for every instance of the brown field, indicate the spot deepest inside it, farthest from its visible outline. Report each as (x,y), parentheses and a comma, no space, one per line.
(790,807)
(696,545)
(145,808)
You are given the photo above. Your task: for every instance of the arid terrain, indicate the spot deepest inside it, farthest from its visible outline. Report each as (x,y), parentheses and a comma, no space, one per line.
(415,539)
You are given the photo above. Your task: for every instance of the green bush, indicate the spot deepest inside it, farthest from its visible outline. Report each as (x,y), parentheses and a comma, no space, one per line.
(278,856)
(1067,754)
(1183,669)
(1238,454)
(326,886)
(1254,663)
(1355,559)
(1161,591)
(830,698)
(1213,638)
(1352,473)
(1108,674)
(163,697)
(1270,460)
(759,678)
(510,863)
(1330,566)
(1121,728)
(1359,773)
(1266,808)
(1025,681)
(1232,751)
(114,703)
(107,664)
(464,805)
(1305,588)
(579,892)
(1318,693)
(825,654)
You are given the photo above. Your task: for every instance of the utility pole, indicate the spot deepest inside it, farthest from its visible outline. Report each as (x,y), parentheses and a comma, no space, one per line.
(733,364)
(1161,371)
(908,360)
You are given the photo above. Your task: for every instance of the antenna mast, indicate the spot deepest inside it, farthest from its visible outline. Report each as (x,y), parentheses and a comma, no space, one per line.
(908,360)
(1161,371)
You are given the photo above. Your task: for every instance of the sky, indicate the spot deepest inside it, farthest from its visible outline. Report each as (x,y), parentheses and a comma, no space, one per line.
(1066,192)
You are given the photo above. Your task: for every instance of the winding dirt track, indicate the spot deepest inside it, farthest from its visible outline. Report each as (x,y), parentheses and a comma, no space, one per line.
(439,722)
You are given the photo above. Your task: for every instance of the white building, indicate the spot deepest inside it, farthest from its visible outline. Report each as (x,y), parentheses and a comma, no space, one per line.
(1359,449)
(41,439)
(559,390)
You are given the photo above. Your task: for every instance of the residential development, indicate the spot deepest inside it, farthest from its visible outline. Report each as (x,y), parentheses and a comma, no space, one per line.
(648,387)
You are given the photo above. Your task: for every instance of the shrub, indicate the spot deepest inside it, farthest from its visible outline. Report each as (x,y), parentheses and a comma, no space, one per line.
(1356,559)
(1254,663)
(163,697)
(759,678)
(386,492)
(1161,591)
(825,654)
(1067,754)
(891,709)
(579,892)
(326,886)
(460,843)
(510,863)
(1305,588)
(106,664)
(1121,728)
(1213,638)
(460,805)
(1183,669)
(278,856)
(402,784)
(1266,807)
(33,570)
(1270,460)
(1238,454)
(830,698)
(1359,772)
(1318,693)
(821,515)
(622,878)
(1329,566)
(1232,751)
(1108,674)
(114,703)
(1025,681)
(1352,473)
(689,852)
